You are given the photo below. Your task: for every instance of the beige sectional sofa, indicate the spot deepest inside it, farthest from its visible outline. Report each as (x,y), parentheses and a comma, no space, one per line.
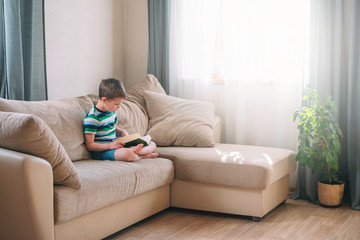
(51,189)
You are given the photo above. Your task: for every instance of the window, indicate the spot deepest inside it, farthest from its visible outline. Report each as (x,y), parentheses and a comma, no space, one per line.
(240,40)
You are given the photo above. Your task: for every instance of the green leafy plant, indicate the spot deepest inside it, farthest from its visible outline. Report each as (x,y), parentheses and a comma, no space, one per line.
(319,136)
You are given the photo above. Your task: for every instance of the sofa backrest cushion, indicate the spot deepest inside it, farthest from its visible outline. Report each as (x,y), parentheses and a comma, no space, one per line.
(179,122)
(29,134)
(136,93)
(64,117)
(130,116)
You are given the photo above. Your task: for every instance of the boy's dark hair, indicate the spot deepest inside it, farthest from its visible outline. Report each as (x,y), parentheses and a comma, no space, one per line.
(111,88)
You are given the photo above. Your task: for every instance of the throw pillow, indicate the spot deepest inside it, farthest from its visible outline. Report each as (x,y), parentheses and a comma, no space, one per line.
(136,94)
(64,117)
(29,134)
(181,122)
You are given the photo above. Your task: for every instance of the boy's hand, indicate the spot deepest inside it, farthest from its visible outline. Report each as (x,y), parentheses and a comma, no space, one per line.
(121,132)
(116,145)
(124,133)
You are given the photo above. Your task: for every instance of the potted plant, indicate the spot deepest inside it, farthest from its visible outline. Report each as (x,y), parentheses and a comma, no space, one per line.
(320,145)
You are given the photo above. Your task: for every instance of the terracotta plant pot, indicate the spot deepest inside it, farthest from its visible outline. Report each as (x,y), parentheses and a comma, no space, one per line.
(331,195)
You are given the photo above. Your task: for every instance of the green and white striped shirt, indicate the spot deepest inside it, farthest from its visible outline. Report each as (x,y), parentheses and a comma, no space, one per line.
(100,123)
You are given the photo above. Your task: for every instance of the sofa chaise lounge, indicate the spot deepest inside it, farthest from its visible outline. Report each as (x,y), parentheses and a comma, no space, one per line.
(51,189)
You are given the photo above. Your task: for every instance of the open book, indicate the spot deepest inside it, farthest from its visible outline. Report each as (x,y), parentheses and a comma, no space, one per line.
(134,139)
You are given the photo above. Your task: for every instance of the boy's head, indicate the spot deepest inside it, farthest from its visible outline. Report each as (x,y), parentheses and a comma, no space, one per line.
(111,88)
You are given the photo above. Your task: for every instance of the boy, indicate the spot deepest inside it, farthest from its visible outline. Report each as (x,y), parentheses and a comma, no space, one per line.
(100,127)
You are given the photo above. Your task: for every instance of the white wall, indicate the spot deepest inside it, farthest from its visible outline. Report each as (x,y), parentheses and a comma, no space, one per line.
(89,40)
(84,44)
(136,38)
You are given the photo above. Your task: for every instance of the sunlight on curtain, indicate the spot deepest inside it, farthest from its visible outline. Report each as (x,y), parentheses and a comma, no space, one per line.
(247,57)
(334,64)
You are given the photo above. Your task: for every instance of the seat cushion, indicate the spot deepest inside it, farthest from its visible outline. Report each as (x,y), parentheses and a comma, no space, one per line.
(232,165)
(109,182)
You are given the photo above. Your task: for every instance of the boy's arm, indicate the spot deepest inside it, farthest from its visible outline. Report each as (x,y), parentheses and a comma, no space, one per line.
(122,132)
(97,147)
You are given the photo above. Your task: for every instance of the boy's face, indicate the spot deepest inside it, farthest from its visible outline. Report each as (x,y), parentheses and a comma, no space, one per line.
(111,105)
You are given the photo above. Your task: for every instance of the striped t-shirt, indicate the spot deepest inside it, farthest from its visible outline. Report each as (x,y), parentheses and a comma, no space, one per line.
(100,123)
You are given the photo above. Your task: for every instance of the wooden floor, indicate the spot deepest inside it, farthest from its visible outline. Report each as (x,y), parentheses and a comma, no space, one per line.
(296,219)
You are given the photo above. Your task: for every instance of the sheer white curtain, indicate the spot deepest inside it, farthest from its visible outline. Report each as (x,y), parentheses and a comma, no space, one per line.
(247,57)
(334,62)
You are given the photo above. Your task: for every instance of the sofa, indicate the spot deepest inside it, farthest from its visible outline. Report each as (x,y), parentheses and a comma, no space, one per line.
(51,188)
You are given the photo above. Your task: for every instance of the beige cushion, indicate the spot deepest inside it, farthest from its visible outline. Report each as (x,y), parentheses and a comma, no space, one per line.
(130,116)
(176,121)
(64,117)
(231,165)
(29,134)
(136,94)
(109,182)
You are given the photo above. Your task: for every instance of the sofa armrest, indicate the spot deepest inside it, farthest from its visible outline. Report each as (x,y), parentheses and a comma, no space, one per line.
(26,202)
(217,129)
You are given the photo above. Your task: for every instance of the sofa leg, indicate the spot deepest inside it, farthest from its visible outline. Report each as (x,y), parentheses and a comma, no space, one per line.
(257,219)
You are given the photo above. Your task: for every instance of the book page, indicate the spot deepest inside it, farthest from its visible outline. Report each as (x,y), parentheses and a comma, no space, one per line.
(128,138)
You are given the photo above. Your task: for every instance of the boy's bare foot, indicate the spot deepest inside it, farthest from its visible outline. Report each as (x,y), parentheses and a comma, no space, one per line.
(150,155)
(154,155)
(137,148)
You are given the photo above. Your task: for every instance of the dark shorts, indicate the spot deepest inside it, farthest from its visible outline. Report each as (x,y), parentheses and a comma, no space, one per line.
(104,155)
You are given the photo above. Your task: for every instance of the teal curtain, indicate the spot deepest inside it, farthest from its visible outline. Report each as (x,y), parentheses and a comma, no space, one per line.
(22,50)
(159,39)
(352,122)
(335,69)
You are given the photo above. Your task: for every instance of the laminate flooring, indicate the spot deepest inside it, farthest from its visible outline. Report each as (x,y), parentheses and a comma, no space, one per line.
(296,219)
